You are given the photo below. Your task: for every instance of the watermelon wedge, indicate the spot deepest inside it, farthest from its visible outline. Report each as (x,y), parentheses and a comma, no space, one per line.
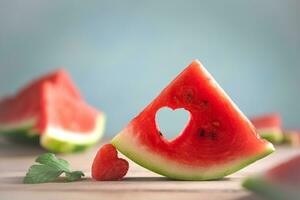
(269,127)
(217,141)
(279,183)
(52,109)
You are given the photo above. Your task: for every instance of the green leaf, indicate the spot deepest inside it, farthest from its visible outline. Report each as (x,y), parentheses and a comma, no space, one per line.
(41,174)
(51,160)
(74,176)
(50,169)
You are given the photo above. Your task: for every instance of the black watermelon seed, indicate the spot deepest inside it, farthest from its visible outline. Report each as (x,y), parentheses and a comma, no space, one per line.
(202,133)
(188,97)
(160,133)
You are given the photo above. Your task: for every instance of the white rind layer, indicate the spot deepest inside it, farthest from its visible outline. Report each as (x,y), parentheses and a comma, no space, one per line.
(58,140)
(76,137)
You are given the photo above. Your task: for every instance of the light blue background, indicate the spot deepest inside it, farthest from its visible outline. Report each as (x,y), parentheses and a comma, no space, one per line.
(122,53)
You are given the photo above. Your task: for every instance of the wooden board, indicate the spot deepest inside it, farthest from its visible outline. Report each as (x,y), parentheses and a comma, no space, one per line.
(138,184)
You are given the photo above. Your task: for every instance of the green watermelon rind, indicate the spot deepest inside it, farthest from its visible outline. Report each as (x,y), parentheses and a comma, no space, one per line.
(268,189)
(166,167)
(53,141)
(20,132)
(273,135)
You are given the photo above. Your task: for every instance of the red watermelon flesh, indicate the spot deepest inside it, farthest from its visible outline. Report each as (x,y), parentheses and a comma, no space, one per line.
(218,139)
(269,126)
(64,111)
(107,166)
(60,78)
(20,107)
(52,107)
(13,110)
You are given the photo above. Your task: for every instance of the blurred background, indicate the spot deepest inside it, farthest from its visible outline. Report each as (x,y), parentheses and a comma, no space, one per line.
(121,54)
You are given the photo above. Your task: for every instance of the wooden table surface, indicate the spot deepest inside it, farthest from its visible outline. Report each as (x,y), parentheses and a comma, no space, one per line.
(138,184)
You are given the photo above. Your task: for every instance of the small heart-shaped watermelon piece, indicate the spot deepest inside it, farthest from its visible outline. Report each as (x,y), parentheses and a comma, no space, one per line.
(107,166)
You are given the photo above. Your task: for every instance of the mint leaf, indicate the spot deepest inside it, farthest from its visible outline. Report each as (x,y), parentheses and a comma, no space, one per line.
(74,176)
(50,169)
(51,160)
(41,174)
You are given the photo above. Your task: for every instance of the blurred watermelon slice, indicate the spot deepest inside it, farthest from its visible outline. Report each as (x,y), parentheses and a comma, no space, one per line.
(52,108)
(269,127)
(279,183)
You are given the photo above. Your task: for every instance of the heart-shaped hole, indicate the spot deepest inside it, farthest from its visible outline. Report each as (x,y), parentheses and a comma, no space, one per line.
(171,122)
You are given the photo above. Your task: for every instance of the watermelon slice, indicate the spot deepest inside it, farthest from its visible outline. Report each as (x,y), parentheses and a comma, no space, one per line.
(269,127)
(291,137)
(279,183)
(52,109)
(217,141)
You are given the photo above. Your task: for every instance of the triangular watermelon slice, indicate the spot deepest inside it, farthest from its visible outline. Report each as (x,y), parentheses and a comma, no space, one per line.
(53,109)
(218,139)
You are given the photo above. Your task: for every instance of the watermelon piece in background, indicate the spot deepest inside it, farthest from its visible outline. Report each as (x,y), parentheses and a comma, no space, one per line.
(291,137)
(52,110)
(217,141)
(269,127)
(279,183)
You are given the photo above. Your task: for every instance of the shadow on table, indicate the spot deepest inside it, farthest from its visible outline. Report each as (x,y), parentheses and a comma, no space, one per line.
(251,197)
(18,180)
(133,179)
(150,179)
